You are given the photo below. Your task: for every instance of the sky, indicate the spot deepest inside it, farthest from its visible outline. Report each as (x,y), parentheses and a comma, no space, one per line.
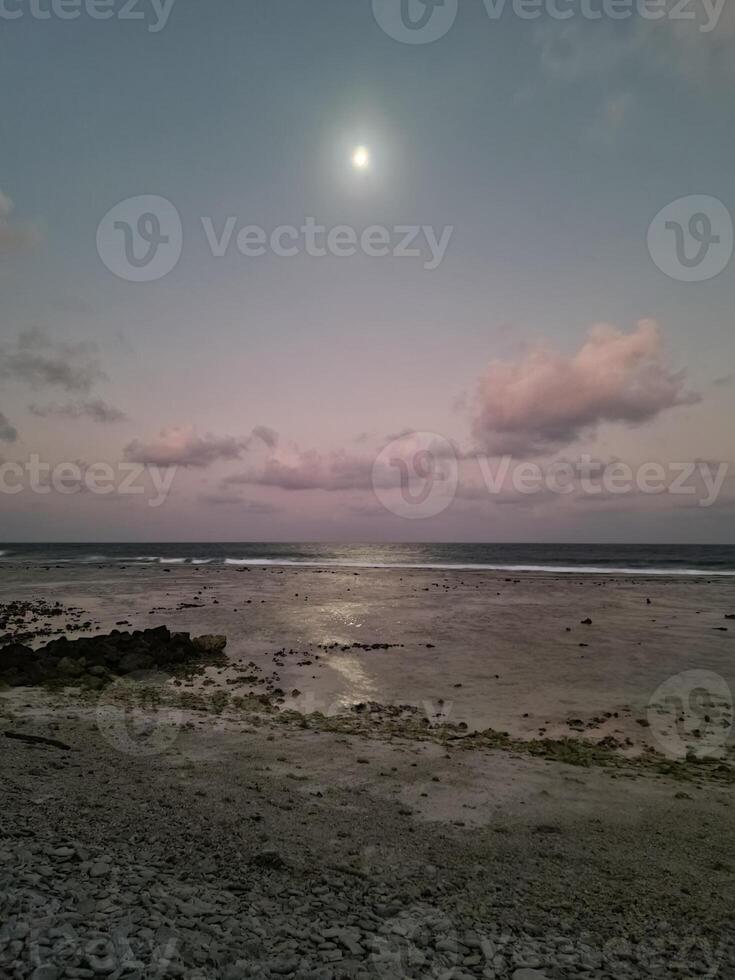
(208,304)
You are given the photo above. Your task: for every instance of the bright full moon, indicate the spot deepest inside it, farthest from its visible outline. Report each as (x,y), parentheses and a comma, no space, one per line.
(361,158)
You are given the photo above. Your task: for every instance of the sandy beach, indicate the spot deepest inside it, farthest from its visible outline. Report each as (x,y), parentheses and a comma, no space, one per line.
(314,807)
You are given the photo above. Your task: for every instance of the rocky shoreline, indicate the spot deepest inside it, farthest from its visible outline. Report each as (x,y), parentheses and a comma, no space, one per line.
(93,662)
(175,807)
(198,838)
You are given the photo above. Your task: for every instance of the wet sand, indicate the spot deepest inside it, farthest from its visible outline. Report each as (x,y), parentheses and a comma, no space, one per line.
(477,647)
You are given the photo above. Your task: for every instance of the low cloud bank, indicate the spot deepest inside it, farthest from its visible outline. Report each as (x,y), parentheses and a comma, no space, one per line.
(95,409)
(183,446)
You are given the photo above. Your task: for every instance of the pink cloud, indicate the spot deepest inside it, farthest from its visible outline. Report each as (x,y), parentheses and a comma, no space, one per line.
(310,470)
(546,400)
(183,446)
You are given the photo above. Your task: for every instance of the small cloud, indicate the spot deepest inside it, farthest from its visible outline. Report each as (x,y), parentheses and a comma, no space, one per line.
(95,409)
(266,435)
(724,382)
(8,433)
(183,446)
(367,510)
(397,436)
(570,50)
(546,400)
(39,361)
(258,507)
(309,470)
(697,44)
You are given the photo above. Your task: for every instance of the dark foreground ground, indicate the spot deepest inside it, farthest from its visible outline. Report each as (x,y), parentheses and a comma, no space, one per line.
(244,843)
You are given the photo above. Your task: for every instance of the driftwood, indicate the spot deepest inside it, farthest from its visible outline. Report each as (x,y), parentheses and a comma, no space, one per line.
(39,740)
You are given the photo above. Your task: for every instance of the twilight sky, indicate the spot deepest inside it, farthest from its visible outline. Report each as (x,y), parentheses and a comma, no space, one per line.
(540,327)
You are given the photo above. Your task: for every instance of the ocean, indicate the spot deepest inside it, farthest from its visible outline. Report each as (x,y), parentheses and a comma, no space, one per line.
(574,558)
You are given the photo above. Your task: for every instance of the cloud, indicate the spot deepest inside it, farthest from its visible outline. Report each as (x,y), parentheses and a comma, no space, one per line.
(8,433)
(183,446)
(36,359)
(257,507)
(310,470)
(695,41)
(698,43)
(547,400)
(341,470)
(94,409)
(14,237)
(398,436)
(571,50)
(266,435)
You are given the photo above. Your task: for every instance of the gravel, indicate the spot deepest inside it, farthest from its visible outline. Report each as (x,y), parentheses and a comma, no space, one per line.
(118,866)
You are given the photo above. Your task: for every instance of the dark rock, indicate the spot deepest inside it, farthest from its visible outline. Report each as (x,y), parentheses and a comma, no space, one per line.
(95,660)
(135,661)
(69,667)
(269,860)
(210,644)
(15,656)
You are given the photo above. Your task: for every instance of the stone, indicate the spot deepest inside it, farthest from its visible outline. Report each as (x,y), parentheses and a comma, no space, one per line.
(46,972)
(210,643)
(135,661)
(268,859)
(68,667)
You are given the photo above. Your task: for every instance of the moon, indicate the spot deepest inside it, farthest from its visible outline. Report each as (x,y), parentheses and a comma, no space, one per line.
(361,158)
